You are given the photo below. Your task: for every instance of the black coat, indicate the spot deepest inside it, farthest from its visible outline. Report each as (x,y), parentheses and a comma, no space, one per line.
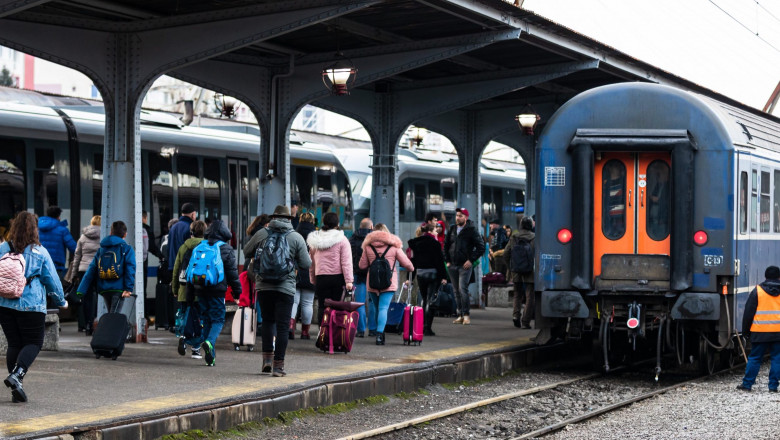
(427,254)
(304,228)
(772,287)
(218,231)
(356,244)
(468,245)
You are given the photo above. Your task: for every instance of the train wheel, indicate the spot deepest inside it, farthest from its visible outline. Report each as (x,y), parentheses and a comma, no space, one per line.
(706,357)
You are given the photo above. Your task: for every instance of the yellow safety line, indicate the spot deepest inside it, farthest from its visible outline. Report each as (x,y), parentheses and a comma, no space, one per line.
(208,395)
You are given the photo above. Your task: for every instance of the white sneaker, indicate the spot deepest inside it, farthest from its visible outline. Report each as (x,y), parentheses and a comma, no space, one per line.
(196,353)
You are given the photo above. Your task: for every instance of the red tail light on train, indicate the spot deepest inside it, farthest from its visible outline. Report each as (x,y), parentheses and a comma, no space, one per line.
(700,238)
(564,235)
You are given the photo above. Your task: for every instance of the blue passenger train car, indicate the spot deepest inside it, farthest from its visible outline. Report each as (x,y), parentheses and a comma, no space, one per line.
(658,211)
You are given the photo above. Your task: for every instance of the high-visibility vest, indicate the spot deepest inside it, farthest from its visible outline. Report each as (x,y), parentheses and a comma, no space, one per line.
(767,318)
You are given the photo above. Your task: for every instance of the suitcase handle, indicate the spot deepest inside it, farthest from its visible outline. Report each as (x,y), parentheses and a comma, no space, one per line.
(345,293)
(121,300)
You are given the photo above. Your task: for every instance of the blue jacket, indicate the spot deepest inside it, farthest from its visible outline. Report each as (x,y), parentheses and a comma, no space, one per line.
(125,282)
(55,236)
(178,234)
(37,264)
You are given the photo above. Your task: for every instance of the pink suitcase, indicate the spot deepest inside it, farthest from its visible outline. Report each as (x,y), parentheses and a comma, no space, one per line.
(413,325)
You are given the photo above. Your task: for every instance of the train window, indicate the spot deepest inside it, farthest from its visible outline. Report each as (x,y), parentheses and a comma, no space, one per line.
(658,200)
(188,179)
(324,189)
(161,184)
(613,200)
(420,198)
(304,180)
(776,214)
(754,201)
(765,214)
(44,181)
(435,201)
(97,184)
(211,188)
(12,182)
(743,196)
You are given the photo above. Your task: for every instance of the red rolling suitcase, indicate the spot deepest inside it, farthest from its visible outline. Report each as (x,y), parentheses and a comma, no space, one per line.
(414,319)
(339,325)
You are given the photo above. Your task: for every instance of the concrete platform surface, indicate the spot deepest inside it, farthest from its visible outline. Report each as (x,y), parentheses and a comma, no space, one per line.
(71,391)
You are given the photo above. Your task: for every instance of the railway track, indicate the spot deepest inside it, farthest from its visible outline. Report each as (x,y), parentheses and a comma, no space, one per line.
(560,386)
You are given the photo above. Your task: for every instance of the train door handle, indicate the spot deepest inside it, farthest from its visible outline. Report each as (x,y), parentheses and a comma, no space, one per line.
(642,198)
(629,198)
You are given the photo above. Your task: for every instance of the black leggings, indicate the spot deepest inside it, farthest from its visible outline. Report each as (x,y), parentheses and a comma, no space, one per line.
(24,332)
(327,286)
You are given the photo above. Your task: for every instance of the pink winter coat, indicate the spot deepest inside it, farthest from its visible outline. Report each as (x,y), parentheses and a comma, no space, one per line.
(330,254)
(380,240)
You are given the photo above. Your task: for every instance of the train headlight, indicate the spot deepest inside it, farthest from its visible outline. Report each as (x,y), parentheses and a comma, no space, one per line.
(564,235)
(700,238)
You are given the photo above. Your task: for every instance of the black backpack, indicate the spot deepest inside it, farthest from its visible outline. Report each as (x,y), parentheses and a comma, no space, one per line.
(522,257)
(380,274)
(273,263)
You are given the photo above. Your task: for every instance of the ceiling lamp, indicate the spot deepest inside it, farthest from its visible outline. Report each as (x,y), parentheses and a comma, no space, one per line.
(417,135)
(527,120)
(339,76)
(226,105)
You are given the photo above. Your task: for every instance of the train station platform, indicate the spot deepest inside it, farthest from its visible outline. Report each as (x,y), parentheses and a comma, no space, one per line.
(151,391)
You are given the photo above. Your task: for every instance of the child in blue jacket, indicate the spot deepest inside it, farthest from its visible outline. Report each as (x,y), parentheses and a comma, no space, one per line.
(113,268)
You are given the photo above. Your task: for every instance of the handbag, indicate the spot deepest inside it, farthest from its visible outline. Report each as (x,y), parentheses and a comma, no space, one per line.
(347,306)
(71,292)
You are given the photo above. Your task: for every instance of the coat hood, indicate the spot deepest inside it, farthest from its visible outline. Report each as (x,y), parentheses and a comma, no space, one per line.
(218,231)
(772,287)
(523,234)
(325,239)
(111,240)
(382,238)
(92,232)
(280,224)
(48,223)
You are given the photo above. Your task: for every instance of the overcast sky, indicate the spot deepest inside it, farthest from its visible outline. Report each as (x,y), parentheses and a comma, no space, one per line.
(694,39)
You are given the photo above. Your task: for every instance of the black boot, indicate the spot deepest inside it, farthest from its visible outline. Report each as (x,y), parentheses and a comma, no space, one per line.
(380,338)
(14,382)
(427,330)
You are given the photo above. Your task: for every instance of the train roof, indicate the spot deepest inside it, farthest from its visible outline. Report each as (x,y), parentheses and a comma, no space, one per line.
(638,109)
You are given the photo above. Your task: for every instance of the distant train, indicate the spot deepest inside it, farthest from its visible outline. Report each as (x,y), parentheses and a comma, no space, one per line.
(51,153)
(658,211)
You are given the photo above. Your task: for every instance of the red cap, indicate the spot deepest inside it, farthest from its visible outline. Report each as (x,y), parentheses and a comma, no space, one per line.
(463,211)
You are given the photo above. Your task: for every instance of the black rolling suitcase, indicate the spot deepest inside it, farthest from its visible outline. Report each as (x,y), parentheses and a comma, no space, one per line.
(111,333)
(164,306)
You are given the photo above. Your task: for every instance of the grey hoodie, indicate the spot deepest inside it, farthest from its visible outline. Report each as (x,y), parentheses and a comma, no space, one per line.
(86,248)
(298,252)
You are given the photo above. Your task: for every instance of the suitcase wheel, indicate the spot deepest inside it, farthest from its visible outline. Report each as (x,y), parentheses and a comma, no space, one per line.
(250,348)
(236,347)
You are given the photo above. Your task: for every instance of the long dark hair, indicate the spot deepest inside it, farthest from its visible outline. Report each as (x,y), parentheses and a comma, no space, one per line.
(258,223)
(24,230)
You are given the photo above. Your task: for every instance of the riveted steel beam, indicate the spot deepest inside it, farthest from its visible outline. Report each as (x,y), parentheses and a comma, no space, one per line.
(9,7)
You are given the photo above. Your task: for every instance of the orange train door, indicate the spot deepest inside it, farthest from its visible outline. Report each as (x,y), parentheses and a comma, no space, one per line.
(632,205)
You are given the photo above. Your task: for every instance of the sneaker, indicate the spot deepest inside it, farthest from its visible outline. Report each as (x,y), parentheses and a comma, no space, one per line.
(773,390)
(744,388)
(196,353)
(371,333)
(458,321)
(209,352)
(361,334)
(466,320)
(181,347)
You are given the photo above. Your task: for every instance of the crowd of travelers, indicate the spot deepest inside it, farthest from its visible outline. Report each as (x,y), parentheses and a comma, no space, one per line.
(310,262)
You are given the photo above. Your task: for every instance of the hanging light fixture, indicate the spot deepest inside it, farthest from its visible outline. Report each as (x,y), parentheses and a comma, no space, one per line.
(527,120)
(339,76)
(417,135)
(226,105)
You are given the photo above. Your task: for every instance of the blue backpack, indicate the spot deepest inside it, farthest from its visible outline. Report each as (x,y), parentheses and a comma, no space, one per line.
(206,267)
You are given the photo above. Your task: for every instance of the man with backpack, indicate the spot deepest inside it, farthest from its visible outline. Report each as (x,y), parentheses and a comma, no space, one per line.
(180,231)
(278,252)
(356,243)
(211,268)
(113,268)
(463,247)
(519,253)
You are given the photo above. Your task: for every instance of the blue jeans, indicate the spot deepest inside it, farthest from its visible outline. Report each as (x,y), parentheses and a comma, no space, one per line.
(212,315)
(378,308)
(754,364)
(460,284)
(360,296)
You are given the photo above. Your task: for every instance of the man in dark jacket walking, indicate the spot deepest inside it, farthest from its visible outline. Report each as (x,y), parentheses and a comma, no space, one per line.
(521,245)
(356,243)
(211,299)
(463,247)
(55,237)
(180,231)
(761,322)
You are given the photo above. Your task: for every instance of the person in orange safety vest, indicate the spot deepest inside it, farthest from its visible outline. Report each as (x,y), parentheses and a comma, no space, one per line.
(762,322)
